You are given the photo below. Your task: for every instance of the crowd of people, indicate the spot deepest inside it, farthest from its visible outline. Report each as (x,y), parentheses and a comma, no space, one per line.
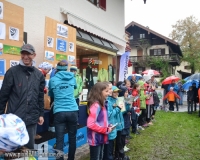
(109,123)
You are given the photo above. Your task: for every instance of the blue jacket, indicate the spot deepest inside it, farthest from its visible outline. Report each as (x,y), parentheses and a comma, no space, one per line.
(61,88)
(175,88)
(112,114)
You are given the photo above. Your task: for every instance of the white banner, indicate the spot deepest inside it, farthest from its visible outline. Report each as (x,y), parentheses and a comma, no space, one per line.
(123,66)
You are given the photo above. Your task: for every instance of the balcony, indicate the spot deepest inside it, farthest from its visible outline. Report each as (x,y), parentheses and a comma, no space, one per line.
(140,42)
(173,59)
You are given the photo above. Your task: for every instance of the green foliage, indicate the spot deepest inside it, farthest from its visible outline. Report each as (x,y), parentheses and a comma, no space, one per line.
(187,33)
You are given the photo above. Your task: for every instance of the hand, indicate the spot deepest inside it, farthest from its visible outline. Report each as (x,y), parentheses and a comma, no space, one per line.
(80,93)
(41,120)
(120,106)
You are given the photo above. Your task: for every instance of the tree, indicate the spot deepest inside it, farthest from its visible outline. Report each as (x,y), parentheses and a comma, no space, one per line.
(187,33)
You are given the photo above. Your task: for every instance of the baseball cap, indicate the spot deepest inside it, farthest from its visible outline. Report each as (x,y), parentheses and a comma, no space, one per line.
(28,47)
(115,89)
(13,133)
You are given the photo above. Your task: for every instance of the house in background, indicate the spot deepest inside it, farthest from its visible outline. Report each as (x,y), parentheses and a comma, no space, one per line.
(145,43)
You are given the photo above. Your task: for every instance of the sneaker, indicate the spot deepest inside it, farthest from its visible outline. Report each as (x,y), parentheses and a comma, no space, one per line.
(141,128)
(51,129)
(145,125)
(150,123)
(126,149)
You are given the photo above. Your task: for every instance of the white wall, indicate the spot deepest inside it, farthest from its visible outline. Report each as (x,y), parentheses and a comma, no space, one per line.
(112,20)
(181,67)
(133,51)
(159,47)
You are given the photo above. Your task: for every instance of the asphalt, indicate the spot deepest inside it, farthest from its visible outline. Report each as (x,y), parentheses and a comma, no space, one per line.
(84,150)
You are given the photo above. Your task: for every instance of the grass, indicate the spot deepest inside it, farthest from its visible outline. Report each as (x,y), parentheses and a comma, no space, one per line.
(174,136)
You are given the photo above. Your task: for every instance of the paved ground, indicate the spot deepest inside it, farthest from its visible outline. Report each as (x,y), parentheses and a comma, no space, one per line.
(84,150)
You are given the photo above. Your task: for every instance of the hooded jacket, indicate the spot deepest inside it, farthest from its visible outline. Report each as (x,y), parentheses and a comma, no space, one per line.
(23,89)
(61,88)
(79,84)
(112,114)
(171,96)
(142,95)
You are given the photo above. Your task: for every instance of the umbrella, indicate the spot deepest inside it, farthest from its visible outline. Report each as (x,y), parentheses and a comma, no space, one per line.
(189,83)
(195,76)
(146,77)
(151,72)
(136,75)
(169,80)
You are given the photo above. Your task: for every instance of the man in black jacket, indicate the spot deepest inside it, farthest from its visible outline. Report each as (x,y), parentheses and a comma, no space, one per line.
(23,92)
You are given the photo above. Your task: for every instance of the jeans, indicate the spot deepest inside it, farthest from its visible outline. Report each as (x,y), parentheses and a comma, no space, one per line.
(31,129)
(181,98)
(108,150)
(67,120)
(96,152)
(176,101)
(195,105)
(134,122)
(142,117)
(190,106)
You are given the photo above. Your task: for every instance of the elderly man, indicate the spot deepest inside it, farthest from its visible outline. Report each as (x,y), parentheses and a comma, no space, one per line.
(23,92)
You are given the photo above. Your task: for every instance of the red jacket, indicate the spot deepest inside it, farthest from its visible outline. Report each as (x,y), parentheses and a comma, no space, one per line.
(137,102)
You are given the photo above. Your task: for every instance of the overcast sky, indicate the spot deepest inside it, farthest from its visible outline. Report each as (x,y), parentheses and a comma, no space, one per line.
(160,15)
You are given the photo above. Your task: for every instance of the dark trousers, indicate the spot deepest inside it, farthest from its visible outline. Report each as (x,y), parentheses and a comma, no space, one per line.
(134,119)
(119,149)
(142,117)
(123,139)
(195,105)
(176,101)
(78,101)
(153,108)
(190,106)
(31,129)
(67,120)
(171,105)
(148,113)
(51,117)
(108,150)
(96,152)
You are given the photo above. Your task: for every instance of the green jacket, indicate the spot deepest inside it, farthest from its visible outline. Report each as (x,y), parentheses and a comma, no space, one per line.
(79,84)
(142,95)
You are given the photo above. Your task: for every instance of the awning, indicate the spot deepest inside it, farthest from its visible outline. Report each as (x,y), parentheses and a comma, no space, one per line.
(89,27)
(89,46)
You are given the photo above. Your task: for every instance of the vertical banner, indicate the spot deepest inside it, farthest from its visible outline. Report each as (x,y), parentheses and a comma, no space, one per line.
(123,66)
(160,93)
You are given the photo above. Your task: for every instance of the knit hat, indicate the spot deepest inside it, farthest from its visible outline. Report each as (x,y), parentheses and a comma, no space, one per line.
(73,68)
(13,133)
(45,66)
(123,90)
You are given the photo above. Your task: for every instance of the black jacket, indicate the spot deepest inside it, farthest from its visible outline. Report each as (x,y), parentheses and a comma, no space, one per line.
(190,95)
(23,89)
(89,77)
(156,98)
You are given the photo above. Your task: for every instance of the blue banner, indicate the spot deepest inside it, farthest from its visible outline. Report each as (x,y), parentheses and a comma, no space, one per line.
(61,45)
(124,66)
(2,67)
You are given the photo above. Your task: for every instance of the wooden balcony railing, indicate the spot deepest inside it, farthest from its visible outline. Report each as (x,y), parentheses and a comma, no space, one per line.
(174,59)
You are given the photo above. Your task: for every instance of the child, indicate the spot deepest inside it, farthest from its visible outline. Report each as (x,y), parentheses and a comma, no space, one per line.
(135,109)
(143,97)
(190,99)
(156,104)
(149,103)
(171,96)
(126,116)
(97,122)
(127,84)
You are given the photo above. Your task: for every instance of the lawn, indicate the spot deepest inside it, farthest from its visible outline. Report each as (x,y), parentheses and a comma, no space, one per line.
(174,136)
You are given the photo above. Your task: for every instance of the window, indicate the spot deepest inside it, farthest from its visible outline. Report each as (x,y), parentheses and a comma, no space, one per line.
(100,3)
(187,67)
(94,2)
(157,52)
(142,36)
(139,70)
